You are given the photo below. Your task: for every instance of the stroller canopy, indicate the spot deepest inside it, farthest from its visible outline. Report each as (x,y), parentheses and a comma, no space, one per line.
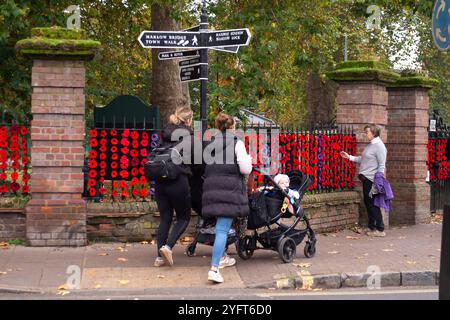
(299,181)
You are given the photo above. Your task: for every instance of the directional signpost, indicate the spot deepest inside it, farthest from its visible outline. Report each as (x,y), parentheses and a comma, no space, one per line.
(200,39)
(170,39)
(441,24)
(227,38)
(178,54)
(189,62)
(191,73)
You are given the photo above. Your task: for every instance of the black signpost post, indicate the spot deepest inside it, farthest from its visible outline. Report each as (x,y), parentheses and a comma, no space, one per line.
(199,39)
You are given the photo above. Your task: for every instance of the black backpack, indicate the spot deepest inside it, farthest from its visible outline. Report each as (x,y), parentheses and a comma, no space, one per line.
(160,165)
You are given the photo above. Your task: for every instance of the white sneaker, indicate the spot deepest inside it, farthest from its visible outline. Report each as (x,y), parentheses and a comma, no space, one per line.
(376,233)
(166,254)
(215,276)
(159,262)
(226,261)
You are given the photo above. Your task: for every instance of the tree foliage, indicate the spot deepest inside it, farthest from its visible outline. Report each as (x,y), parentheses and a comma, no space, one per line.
(291,39)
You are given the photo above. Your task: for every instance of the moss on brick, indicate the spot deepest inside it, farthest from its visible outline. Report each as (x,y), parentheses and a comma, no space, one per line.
(371,64)
(58,33)
(416,81)
(57,43)
(363,71)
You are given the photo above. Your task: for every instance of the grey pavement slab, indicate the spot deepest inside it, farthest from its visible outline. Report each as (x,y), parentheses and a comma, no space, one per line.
(414,249)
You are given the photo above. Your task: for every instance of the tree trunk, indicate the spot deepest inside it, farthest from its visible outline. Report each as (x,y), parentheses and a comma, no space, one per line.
(168,92)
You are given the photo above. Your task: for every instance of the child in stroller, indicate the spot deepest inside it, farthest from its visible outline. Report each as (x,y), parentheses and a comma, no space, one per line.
(267,208)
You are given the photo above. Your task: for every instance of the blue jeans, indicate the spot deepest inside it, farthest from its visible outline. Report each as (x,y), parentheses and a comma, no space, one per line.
(223,226)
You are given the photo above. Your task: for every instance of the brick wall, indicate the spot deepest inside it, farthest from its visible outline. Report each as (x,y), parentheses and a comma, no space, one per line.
(328,212)
(56,215)
(12,224)
(406,163)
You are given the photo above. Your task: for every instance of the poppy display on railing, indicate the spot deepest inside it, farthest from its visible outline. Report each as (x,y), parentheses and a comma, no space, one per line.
(14,160)
(317,155)
(119,155)
(437,163)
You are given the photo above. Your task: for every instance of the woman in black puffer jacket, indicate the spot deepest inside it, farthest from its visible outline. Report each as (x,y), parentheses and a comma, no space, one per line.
(224,190)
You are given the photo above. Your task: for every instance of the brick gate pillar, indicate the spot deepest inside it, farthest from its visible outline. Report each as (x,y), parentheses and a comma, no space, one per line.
(56,214)
(362,99)
(407,143)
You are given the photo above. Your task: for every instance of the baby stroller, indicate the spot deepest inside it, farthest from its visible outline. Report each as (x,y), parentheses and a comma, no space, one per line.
(266,208)
(206,234)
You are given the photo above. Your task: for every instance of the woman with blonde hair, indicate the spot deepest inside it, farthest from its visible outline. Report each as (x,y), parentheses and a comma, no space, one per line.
(174,194)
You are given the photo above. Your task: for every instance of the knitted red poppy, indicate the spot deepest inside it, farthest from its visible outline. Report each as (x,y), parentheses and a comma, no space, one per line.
(93,133)
(134,135)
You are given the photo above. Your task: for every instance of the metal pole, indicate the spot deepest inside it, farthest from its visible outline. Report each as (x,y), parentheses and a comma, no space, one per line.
(346,48)
(444,270)
(203,67)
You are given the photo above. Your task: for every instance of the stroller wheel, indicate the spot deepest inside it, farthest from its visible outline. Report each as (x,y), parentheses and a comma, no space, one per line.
(190,250)
(287,249)
(310,249)
(244,248)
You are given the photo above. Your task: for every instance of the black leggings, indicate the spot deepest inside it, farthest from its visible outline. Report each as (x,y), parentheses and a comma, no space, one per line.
(169,196)
(374,212)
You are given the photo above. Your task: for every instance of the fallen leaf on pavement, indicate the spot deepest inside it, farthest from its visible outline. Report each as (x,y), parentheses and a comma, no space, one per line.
(352,238)
(411,262)
(121,249)
(333,252)
(317,289)
(124,281)
(302,265)
(98,286)
(122,259)
(4,245)
(103,254)
(387,250)
(144,242)
(161,276)
(402,238)
(152,242)
(365,254)
(63,292)
(308,281)
(63,287)
(3,272)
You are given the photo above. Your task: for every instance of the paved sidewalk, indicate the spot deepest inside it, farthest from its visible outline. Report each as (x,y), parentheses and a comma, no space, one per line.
(409,256)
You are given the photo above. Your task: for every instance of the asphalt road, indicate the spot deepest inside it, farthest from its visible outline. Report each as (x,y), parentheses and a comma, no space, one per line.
(394,293)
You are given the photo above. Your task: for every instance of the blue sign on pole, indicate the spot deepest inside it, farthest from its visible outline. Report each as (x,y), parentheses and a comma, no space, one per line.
(441,24)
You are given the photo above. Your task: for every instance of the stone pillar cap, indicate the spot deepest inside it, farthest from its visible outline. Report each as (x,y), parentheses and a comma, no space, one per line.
(369,70)
(58,43)
(414,79)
